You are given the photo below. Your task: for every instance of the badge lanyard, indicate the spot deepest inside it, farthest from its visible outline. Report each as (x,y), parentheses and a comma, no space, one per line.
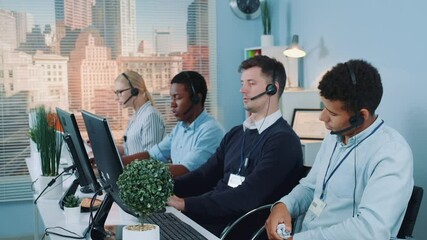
(326,180)
(243,160)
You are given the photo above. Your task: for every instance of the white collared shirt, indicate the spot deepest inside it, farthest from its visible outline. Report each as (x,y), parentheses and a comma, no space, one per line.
(262,124)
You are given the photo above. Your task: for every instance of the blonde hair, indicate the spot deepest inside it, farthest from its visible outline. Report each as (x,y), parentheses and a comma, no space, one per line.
(136,81)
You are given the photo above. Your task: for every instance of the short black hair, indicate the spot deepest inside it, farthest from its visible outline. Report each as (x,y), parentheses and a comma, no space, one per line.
(270,67)
(337,84)
(192,79)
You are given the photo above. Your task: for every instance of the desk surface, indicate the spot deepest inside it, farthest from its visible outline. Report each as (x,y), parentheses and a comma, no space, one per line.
(53,216)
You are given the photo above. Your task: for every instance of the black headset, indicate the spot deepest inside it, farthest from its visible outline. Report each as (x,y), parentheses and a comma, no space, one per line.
(357,119)
(133,91)
(195,98)
(271,88)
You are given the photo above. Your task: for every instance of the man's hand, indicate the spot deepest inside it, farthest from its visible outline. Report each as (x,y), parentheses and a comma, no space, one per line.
(176,202)
(279,214)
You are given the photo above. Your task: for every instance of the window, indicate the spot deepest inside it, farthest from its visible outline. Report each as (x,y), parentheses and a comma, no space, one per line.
(88,49)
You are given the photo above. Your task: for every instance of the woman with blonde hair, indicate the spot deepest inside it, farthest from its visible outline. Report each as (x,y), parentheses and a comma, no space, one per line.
(146,127)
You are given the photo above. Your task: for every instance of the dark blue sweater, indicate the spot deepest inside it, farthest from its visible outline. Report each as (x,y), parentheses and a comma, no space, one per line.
(274,168)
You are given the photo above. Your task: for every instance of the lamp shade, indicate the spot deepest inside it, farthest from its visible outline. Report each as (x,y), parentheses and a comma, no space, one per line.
(294,51)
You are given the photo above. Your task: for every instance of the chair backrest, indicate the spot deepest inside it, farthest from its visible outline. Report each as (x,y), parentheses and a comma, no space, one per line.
(261,234)
(247,225)
(411,213)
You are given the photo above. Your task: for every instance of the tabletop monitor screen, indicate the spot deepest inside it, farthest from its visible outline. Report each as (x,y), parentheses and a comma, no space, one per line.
(85,175)
(106,155)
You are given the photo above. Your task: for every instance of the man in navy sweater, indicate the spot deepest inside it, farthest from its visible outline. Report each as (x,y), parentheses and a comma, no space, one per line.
(256,163)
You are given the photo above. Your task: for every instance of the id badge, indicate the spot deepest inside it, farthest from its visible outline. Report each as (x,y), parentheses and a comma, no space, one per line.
(235,180)
(317,206)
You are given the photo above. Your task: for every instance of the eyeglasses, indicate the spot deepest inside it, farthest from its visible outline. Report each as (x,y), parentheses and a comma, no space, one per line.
(119,92)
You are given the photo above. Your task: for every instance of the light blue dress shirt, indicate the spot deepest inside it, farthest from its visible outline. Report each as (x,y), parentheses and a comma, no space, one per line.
(190,145)
(377,175)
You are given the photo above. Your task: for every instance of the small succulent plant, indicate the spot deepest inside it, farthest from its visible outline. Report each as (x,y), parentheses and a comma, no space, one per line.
(71,201)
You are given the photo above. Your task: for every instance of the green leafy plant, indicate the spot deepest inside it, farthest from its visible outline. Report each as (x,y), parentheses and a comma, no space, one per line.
(48,139)
(71,201)
(265,15)
(145,186)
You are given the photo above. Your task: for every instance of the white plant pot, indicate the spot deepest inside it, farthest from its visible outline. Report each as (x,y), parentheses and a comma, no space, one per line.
(72,215)
(153,234)
(35,155)
(267,40)
(52,192)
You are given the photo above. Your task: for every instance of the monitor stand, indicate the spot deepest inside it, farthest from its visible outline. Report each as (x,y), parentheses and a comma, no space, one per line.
(97,228)
(70,191)
(86,189)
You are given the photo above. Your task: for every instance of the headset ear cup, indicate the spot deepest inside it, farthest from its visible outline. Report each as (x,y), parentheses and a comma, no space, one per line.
(195,99)
(356,120)
(271,89)
(134,91)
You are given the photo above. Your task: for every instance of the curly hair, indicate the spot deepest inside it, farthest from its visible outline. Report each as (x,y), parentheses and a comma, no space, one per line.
(270,67)
(337,84)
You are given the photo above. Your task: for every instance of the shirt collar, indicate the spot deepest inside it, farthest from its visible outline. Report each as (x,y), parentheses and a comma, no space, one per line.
(144,106)
(362,135)
(262,124)
(201,118)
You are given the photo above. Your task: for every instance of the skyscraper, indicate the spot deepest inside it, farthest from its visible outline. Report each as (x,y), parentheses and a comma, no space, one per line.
(8,29)
(90,69)
(75,14)
(116,22)
(71,17)
(197,23)
(197,56)
(163,41)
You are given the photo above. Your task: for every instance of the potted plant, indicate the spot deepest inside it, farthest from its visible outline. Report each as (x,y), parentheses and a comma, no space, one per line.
(145,186)
(72,208)
(266,39)
(44,132)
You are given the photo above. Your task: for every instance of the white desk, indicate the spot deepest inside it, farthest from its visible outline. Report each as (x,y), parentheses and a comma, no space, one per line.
(309,151)
(52,215)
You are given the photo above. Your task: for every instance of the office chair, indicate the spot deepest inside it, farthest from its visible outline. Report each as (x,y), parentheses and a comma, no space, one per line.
(247,225)
(405,229)
(411,213)
(261,234)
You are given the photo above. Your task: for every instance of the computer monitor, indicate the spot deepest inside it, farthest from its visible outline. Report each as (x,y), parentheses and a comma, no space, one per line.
(85,177)
(110,167)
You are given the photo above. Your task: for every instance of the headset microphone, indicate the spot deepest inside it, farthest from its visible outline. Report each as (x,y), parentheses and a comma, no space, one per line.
(353,125)
(133,90)
(357,119)
(257,96)
(127,100)
(271,89)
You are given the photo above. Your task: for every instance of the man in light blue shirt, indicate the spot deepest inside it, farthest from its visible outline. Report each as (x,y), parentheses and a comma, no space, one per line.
(362,178)
(190,145)
(195,137)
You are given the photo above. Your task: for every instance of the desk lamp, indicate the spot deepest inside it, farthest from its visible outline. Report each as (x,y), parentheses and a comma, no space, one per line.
(294,51)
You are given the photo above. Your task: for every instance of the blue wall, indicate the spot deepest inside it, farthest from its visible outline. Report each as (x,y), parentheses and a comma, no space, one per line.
(389,34)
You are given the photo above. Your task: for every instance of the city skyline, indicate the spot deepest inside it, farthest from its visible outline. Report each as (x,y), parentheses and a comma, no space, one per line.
(147,18)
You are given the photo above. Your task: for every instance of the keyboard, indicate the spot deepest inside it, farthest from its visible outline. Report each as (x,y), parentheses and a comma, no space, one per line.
(173,228)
